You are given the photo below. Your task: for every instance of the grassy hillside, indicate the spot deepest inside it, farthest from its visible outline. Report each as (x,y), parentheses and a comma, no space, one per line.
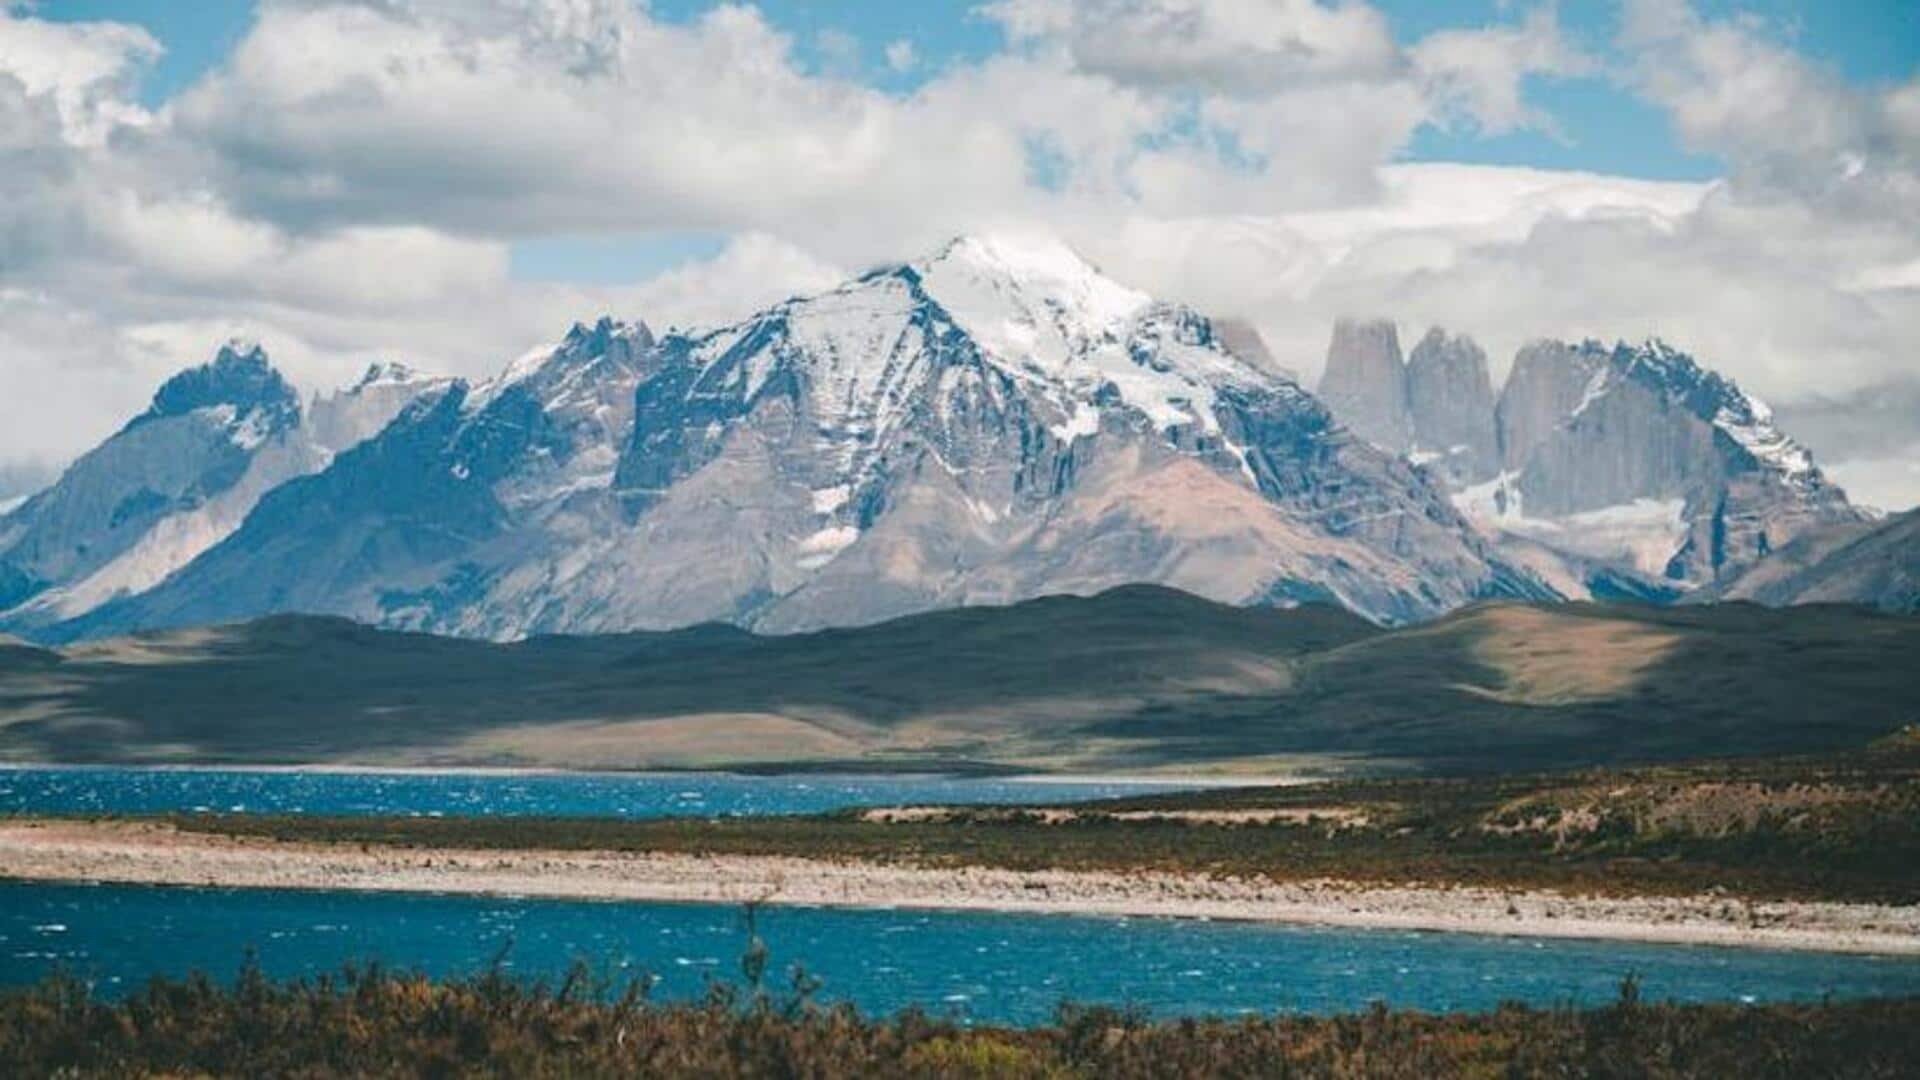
(1137,678)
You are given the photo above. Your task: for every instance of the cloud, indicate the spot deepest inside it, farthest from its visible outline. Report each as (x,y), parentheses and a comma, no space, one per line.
(127,251)
(753,272)
(1252,52)
(348,182)
(1428,249)
(520,117)
(1796,273)
(84,69)
(839,52)
(1477,75)
(1790,128)
(1245,48)
(902,57)
(404,112)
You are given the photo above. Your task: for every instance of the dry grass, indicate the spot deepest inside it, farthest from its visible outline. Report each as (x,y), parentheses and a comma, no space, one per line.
(1843,828)
(371,1023)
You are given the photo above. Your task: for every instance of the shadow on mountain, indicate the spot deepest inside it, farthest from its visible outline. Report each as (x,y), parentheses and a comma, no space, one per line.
(1510,687)
(1133,678)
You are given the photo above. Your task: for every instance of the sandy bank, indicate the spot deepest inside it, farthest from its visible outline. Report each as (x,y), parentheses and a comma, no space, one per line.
(143,853)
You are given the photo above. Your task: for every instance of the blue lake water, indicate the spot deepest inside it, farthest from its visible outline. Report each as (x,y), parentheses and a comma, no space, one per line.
(989,968)
(624,795)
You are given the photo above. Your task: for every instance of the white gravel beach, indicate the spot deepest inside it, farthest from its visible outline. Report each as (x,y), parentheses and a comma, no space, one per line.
(157,854)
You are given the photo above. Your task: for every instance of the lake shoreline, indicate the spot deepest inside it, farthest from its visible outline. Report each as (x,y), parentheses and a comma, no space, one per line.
(1183,780)
(151,853)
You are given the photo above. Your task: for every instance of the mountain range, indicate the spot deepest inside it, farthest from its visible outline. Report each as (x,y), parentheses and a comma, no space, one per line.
(1624,471)
(996,422)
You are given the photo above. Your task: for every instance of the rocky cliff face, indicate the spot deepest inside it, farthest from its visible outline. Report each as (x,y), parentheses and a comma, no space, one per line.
(1623,470)
(174,482)
(342,420)
(996,422)
(1243,340)
(1436,407)
(1650,425)
(1548,383)
(1450,399)
(1365,383)
(1639,458)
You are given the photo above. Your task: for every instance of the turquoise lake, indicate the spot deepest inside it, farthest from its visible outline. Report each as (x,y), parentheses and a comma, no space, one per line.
(107,790)
(982,967)
(978,967)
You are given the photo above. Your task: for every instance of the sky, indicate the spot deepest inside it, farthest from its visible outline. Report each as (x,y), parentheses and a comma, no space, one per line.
(452,182)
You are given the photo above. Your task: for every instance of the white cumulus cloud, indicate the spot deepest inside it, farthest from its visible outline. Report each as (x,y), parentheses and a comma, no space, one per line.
(350,182)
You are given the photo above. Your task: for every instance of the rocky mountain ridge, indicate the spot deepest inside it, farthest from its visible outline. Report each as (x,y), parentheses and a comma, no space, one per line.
(992,423)
(176,480)
(1628,470)
(995,422)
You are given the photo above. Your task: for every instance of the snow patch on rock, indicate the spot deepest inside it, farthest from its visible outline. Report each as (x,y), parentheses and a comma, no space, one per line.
(822,547)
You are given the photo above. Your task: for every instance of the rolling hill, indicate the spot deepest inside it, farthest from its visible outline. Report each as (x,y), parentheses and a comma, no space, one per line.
(1136,678)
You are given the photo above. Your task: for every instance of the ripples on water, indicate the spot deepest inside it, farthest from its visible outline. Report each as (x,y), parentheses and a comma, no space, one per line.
(999,968)
(992,968)
(137,791)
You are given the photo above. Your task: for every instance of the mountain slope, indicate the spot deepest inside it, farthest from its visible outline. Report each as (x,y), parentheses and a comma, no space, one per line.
(1135,678)
(178,480)
(1876,565)
(395,523)
(1643,438)
(999,421)
(155,493)
(1629,471)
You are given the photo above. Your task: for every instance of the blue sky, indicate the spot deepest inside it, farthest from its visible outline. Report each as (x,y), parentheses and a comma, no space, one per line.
(1600,126)
(1604,128)
(375,194)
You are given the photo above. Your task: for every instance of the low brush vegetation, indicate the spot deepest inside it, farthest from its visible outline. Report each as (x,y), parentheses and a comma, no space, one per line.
(373,1023)
(1844,828)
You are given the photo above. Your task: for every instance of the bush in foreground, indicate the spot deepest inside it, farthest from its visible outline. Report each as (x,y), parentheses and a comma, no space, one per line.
(368,1022)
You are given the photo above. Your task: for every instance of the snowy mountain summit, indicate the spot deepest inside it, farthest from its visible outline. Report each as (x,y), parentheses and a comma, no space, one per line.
(996,421)
(239,387)
(1712,398)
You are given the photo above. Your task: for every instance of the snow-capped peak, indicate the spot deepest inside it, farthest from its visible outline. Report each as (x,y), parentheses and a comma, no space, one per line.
(595,340)
(1749,421)
(1718,400)
(341,420)
(1045,265)
(606,338)
(239,349)
(1044,313)
(240,384)
(1714,398)
(1028,298)
(389,373)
